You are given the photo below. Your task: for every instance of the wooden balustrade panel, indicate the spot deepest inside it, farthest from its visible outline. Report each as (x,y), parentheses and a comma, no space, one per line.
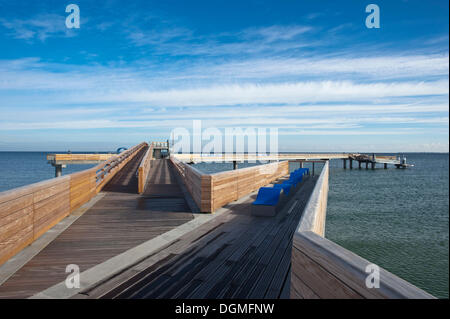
(206,202)
(16,222)
(197,184)
(144,170)
(232,185)
(27,212)
(211,192)
(82,188)
(193,182)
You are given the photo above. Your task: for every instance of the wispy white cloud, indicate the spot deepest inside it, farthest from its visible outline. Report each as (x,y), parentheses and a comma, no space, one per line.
(275,33)
(174,40)
(297,92)
(31,74)
(39,27)
(375,68)
(287,125)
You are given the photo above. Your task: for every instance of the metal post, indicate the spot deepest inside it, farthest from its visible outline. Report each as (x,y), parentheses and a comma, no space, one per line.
(58,170)
(313,167)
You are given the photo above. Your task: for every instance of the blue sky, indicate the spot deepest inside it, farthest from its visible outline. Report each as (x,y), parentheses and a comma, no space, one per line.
(135,70)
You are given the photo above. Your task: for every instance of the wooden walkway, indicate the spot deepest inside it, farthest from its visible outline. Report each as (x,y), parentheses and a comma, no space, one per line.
(121,220)
(235,255)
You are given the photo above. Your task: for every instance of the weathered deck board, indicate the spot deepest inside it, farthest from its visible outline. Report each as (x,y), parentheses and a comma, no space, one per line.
(121,220)
(236,255)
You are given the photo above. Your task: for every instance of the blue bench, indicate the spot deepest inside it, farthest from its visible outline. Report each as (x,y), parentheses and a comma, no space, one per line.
(295,177)
(286,187)
(270,199)
(267,201)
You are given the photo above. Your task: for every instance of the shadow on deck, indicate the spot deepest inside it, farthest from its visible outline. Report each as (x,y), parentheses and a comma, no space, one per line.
(235,255)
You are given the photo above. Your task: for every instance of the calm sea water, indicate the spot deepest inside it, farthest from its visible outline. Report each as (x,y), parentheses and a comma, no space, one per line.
(23,168)
(398,219)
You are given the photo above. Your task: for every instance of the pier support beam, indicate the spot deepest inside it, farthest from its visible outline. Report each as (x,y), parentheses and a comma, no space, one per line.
(301,164)
(367,165)
(385,165)
(351,163)
(373,165)
(359,164)
(235,165)
(58,169)
(345,163)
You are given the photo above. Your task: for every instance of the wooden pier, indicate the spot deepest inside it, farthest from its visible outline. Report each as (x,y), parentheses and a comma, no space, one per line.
(373,160)
(140,226)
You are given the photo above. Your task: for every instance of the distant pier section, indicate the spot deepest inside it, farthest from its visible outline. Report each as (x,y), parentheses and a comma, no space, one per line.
(369,160)
(373,160)
(162,150)
(60,161)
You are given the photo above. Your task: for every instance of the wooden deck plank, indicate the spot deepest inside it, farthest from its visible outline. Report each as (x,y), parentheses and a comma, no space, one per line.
(231,257)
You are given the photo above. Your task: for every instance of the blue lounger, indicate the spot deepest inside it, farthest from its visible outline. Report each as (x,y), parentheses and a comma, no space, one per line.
(267,202)
(296,177)
(295,182)
(286,187)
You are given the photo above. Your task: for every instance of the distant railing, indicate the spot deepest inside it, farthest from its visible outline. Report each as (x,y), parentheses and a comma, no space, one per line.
(231,185)
(212,191)
(79,157)
(160,144)
(144,169)
(323,269)
(205,157)
(106,170)
(28,212)
(197,184)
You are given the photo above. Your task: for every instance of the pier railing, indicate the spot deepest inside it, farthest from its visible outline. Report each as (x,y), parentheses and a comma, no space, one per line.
(221,158)
(314,215)
(212,191)
(322,269)
(197,184)
(79,157)
(231,185)
(144,169)
(28,212)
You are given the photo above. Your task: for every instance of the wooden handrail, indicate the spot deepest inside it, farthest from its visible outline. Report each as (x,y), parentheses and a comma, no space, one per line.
(144,169)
